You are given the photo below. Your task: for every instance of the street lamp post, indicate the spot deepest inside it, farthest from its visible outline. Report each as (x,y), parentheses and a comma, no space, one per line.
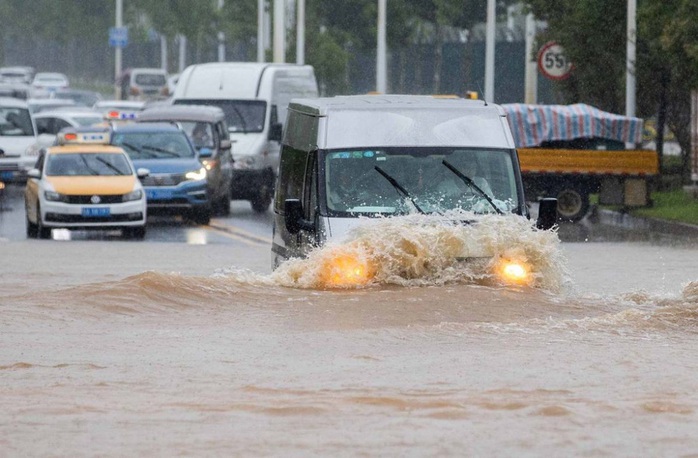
(117,50)
(630,59)
(489,51)
(381,49)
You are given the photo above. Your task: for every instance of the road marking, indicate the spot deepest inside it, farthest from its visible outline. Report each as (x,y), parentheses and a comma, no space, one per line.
(239,234)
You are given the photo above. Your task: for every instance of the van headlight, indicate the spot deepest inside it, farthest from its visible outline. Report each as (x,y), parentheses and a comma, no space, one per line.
(514,272)
(133,195)
(196,175)
(53,196)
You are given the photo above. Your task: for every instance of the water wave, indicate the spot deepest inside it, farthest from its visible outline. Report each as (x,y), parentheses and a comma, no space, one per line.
(426,250)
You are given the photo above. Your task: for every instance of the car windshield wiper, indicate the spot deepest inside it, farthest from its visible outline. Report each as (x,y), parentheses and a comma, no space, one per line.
(398,187)
(160,150)
(110,165)
(135,149)
(87,166)
(472,184)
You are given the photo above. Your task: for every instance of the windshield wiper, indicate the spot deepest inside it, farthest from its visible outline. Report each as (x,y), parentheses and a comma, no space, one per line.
(472,184)
(87,166)
(160,150)
(110,165)
(398,187)
(242,119)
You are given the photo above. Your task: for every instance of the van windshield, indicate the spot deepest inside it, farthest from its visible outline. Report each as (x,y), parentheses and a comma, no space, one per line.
(430,180)
(242,116)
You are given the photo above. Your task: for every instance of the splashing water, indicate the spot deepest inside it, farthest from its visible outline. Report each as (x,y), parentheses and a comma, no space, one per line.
(423,250)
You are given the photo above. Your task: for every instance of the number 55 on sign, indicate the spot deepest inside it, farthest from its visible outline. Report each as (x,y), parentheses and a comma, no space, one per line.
(552,62)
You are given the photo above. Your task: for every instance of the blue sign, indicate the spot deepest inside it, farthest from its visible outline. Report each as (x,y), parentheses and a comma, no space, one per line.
(118,37)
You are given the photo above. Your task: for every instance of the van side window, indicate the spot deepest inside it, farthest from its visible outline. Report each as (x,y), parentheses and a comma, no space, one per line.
(291,176)
(273,116)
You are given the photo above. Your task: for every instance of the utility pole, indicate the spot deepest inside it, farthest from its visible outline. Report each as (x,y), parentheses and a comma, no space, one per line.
(221,36)
(279,31)
(531,96)
(381,49)
(489,51)
(630,59)
(300,33)
(117,51)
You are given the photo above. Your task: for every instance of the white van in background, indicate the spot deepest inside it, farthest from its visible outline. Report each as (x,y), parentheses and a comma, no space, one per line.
(255,98)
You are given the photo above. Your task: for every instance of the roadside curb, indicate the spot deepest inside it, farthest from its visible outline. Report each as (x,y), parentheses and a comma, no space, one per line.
(625,220)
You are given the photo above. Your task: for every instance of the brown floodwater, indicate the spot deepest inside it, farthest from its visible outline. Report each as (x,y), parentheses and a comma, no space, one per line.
(428,355)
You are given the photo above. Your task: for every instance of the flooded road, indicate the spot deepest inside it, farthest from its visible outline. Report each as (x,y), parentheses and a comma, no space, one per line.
(169,349)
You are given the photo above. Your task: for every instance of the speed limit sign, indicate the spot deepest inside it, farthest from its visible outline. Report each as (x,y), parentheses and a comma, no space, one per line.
(552,62)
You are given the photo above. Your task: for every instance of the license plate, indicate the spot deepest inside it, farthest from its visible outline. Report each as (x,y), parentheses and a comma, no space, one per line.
(158,194)
(6,175)
(95,211)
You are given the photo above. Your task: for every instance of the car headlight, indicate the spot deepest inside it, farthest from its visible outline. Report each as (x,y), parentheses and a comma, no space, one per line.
(133,195)
(196,175)
(55,196)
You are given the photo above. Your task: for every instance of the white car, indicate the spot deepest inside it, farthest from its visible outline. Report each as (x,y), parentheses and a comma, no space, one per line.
(84,183)
(50,81)
(51,122)
(17,134)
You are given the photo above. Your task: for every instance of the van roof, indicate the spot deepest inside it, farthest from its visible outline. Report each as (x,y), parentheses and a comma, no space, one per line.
(230,79)
(323,105)
(404,120)
(200,113)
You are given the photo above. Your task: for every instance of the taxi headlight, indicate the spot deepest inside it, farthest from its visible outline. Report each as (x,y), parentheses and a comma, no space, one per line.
(196,175)
(55,196)
(133,195)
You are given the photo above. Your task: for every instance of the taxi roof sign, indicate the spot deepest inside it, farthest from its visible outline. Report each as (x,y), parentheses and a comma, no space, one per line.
(113,115)
(76,138)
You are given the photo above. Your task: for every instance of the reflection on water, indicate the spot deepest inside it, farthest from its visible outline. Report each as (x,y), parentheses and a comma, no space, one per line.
(427,358)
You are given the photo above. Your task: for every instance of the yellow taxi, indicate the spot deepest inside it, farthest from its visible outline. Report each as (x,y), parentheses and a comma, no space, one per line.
(84,183)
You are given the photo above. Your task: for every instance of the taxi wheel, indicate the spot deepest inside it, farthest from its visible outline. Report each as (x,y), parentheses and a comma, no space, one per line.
(32,229)
(44,232)
(134,232)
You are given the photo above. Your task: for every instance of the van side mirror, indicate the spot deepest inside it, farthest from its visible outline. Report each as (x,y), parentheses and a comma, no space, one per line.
(293,215)
(226,144)
(547,213)
(275,131)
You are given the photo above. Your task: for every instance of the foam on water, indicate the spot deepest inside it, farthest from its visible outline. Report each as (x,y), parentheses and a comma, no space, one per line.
(425,250)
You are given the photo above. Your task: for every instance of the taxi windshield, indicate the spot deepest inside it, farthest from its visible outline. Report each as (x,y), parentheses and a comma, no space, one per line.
(428,180)
(154,145)
(88,164)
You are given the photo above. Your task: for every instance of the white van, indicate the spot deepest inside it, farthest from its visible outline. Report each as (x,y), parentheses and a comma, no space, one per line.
(352,156)
(254,97)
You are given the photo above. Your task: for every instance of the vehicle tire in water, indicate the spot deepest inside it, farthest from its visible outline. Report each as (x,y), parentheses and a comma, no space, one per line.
(200,216)
(137,232)
(572,202)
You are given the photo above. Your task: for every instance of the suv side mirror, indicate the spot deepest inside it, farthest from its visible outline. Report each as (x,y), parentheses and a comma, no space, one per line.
(547,213)
(142,173)
(275,131)
(205,152)
(226,144)
(293,216)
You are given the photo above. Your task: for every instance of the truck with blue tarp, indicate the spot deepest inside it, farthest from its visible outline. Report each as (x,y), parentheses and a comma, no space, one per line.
(572,151)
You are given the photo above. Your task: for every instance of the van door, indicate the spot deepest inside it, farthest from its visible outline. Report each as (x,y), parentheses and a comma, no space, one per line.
(290,185)
(309,240)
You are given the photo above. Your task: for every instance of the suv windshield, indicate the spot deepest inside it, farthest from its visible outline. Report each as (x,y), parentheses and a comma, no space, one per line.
(240,115)
(15,122)
(154,145)
(430,180)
